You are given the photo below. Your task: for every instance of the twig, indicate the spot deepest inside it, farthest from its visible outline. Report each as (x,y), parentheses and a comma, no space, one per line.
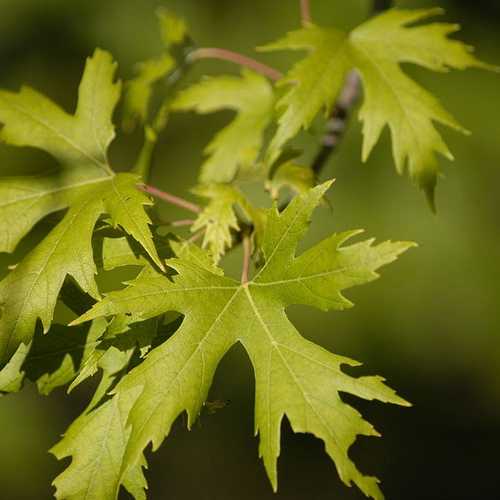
(305,9)
(170,198)
(228,55)
(247,250)
(337,123)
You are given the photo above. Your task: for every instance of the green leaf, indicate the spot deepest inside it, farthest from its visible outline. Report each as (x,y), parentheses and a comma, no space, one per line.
(376,49)
(30,291)
(12,374)
(139,90)
(63,356)
(96,476)
(56,358)
(31,119)
(29,199)
(294,377)
(219,218)
(114,252)
(85,185)
(237,146)
(110,348)
(190,252)
(292,176)
(173,29)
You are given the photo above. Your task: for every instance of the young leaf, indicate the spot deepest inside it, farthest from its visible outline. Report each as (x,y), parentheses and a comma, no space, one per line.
(292,176)
(174,29)
(294,377)
(139,90)
(238,145)
(376,49)
(218,218)
(85,184)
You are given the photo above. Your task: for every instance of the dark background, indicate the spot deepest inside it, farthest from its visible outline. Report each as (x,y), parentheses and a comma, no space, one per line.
(430,325)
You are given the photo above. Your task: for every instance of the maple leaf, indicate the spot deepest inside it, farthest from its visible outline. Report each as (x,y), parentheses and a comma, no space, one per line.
(96,476)
(376,49)
(237,146)
(294,377)
(139,90)
(219,218)
(292,176)
(105,421)
(188,251)
(173,29)
(12,375)
(58,357)
(85,185)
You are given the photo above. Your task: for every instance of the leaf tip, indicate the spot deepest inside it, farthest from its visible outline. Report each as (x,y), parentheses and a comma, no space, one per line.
(434,11)
(430,194)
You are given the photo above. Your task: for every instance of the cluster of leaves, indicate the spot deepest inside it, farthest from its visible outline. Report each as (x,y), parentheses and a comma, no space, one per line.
(154,366)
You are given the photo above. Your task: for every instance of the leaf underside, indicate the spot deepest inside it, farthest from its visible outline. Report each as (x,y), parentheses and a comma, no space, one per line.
(294,377)
(84,185)
(376,49)
(236,148)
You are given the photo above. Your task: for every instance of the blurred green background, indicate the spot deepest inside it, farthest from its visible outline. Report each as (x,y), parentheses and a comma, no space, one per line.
(431,325)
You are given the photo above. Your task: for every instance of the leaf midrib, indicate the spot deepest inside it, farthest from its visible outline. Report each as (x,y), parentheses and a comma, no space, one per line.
(276,346)
(40,272)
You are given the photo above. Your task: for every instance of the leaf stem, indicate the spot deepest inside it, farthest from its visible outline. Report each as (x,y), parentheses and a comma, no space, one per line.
(247,251)
(305,9)
(143,165)
(197,236)
(235,57)
(170,198)
(182,223)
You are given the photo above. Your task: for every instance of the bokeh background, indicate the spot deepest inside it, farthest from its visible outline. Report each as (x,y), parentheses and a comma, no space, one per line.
(431,325)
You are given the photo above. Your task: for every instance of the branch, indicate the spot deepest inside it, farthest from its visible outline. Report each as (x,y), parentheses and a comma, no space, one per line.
(305,9)
(228,55)
(170,198)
